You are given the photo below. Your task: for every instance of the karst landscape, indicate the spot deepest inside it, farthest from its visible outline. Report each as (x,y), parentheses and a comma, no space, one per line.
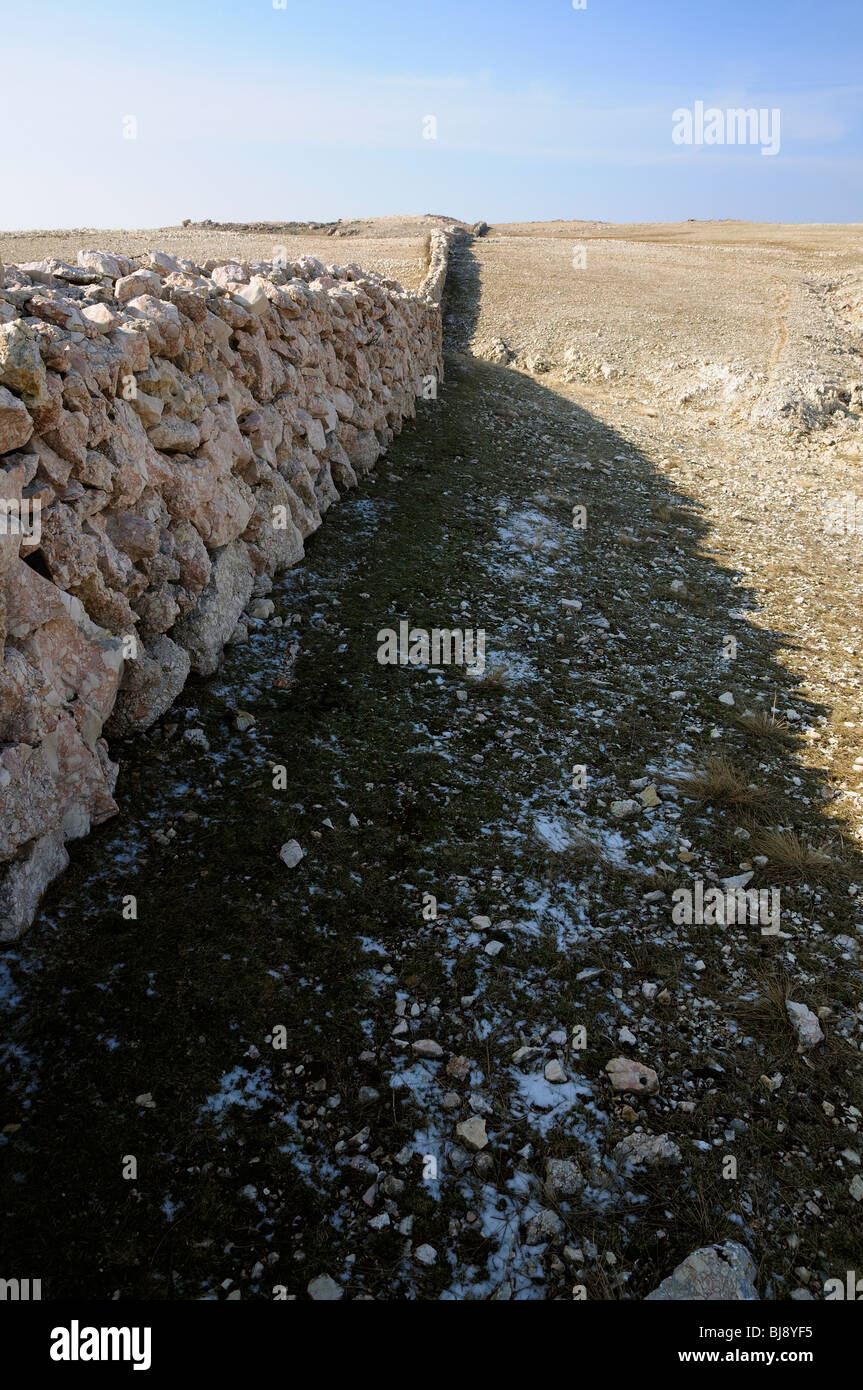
(575,1064)
(335,968)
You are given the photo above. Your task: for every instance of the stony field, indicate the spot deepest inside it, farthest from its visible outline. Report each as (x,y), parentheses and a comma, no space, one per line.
(394,248)
(636,481)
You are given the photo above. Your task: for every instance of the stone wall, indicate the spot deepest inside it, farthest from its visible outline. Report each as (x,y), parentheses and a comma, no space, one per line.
(170,434)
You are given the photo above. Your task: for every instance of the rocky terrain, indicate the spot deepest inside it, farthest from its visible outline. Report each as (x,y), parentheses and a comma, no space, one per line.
(758,329)
(394,248)
(404,1006)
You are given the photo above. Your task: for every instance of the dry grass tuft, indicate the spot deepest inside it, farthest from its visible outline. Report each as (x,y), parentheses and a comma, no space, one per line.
(787,852)
(720,782)
(765,724)
(667,513)
(763,1012)
(495,680)
(765,1015)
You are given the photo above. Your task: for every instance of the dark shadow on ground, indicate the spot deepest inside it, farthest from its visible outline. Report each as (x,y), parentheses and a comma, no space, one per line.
(463,296)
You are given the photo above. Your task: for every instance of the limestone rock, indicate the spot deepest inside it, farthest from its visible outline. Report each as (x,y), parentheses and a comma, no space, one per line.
(16,473)
(563,1177)
(205,630)
(323,1289)
(138,282)
(472,1132)
(633,1077)
(545,1225)
(173,434)
(151,683)
(104,263)
(646,1150)
(26,881)
(713,1273)
(805,1024)
(21,365)
(100,317)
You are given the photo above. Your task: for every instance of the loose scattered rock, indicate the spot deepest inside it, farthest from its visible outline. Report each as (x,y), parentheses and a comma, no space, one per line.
(291,854)
(472,1132)
(546,1225)
(563,1177)
(715,1272)
(647,1149)
(634,1077)
(323,1289)
(805,1024)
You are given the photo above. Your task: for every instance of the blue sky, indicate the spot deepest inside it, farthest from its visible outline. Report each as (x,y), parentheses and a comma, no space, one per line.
(243,111)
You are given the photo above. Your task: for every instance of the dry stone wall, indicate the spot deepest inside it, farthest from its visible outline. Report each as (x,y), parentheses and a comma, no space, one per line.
(170,435)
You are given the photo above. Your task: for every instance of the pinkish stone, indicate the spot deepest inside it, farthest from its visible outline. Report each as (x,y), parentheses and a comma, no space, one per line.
(16,424)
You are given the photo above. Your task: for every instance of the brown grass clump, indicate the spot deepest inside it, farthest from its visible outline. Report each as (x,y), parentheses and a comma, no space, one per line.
(720,782)
(787,852)
(494,680)
(765,724)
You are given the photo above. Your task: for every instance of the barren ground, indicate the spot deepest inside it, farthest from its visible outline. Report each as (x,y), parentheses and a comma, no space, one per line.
(393,247)
(696,389)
